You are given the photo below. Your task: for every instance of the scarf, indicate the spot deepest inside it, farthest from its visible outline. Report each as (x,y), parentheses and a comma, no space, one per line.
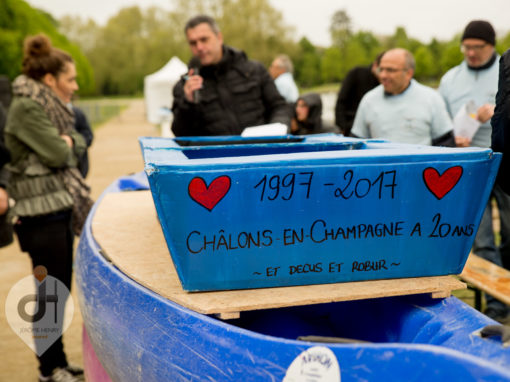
(62,118)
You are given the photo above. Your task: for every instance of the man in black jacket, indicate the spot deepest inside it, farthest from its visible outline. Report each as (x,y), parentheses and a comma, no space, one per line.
(501,124)
(223,91)
(355,85)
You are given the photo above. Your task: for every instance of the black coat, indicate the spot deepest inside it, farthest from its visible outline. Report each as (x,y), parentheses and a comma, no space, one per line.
(4,153)
(6,234)
(236,93)
(82,126)
(358,81)
(501,122)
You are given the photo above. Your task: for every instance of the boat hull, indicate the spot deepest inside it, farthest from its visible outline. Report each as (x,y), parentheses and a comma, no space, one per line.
(138,335)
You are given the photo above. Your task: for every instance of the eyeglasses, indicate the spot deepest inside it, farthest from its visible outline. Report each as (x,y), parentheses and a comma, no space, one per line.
(474,48)
(379,70)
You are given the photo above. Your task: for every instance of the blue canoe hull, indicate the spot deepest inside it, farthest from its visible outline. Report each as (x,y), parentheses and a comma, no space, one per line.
(139,336)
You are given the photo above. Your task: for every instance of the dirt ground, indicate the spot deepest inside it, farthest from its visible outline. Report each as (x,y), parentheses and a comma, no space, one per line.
(115,152)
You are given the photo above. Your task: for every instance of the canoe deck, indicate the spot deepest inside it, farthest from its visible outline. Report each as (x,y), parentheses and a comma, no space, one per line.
(126,227)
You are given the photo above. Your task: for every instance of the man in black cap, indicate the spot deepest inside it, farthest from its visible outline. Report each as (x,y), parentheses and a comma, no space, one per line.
(475,82)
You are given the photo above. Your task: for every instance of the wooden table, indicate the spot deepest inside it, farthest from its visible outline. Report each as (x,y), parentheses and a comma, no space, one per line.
(488,277)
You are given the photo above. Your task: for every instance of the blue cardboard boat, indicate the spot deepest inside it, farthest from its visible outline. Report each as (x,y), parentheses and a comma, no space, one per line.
(262,212)
(138,335)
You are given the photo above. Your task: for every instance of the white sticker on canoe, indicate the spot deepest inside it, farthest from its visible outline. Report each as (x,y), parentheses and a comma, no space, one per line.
(316,364)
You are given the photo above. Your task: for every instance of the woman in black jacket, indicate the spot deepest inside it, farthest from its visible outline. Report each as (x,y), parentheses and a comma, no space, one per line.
(308,116)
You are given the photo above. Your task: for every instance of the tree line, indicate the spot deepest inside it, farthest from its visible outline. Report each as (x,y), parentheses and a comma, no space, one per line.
(18,20)
(114,58)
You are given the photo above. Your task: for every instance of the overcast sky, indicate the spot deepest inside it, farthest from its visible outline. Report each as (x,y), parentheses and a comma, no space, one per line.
(423,19)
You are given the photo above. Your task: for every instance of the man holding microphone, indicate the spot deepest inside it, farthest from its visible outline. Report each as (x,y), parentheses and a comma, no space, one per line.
(223,91)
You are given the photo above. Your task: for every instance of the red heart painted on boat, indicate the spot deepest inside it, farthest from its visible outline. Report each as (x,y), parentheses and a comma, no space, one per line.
(209,196)
(440,185)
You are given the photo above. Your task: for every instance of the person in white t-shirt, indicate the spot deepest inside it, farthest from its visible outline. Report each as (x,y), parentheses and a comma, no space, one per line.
(281,70)
(401,109)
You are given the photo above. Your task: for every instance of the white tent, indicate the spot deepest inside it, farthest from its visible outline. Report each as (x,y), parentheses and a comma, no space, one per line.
(158,87)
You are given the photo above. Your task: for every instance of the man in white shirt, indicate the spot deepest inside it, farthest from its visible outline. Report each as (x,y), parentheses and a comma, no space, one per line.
(281,70)
(401,109)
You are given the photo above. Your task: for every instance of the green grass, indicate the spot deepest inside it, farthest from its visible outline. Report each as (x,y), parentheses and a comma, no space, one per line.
(335,87)
(101,110)
(326,88)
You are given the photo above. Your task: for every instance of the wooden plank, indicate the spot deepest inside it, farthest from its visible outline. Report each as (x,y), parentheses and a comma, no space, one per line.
(228,316)
(126,227)
(441,294)
(488,277)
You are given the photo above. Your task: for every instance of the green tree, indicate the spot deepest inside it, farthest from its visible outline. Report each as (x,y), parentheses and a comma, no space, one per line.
(255,27)
(118,55)
(82,32)
(503,43)
(340,28)
(19,20)
(332,66)
(451,55)
(370,44)
(436,50)
(355,55)
(425,64)
(135,43)
(307,64)
(11,53)
(164,38)
(399,39)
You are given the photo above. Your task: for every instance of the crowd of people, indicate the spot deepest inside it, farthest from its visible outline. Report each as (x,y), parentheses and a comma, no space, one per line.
(44,139)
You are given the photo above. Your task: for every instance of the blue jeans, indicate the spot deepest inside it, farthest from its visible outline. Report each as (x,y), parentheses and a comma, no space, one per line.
(485,245)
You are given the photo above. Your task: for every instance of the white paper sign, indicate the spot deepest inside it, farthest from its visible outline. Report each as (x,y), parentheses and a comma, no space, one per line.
(269,130)
(465,123)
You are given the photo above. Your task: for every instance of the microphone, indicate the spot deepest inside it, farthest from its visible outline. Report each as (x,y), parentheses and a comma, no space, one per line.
(196,93)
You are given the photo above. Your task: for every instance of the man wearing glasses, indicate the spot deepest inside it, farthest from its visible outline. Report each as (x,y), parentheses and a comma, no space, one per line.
(475,82)
(401,109)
